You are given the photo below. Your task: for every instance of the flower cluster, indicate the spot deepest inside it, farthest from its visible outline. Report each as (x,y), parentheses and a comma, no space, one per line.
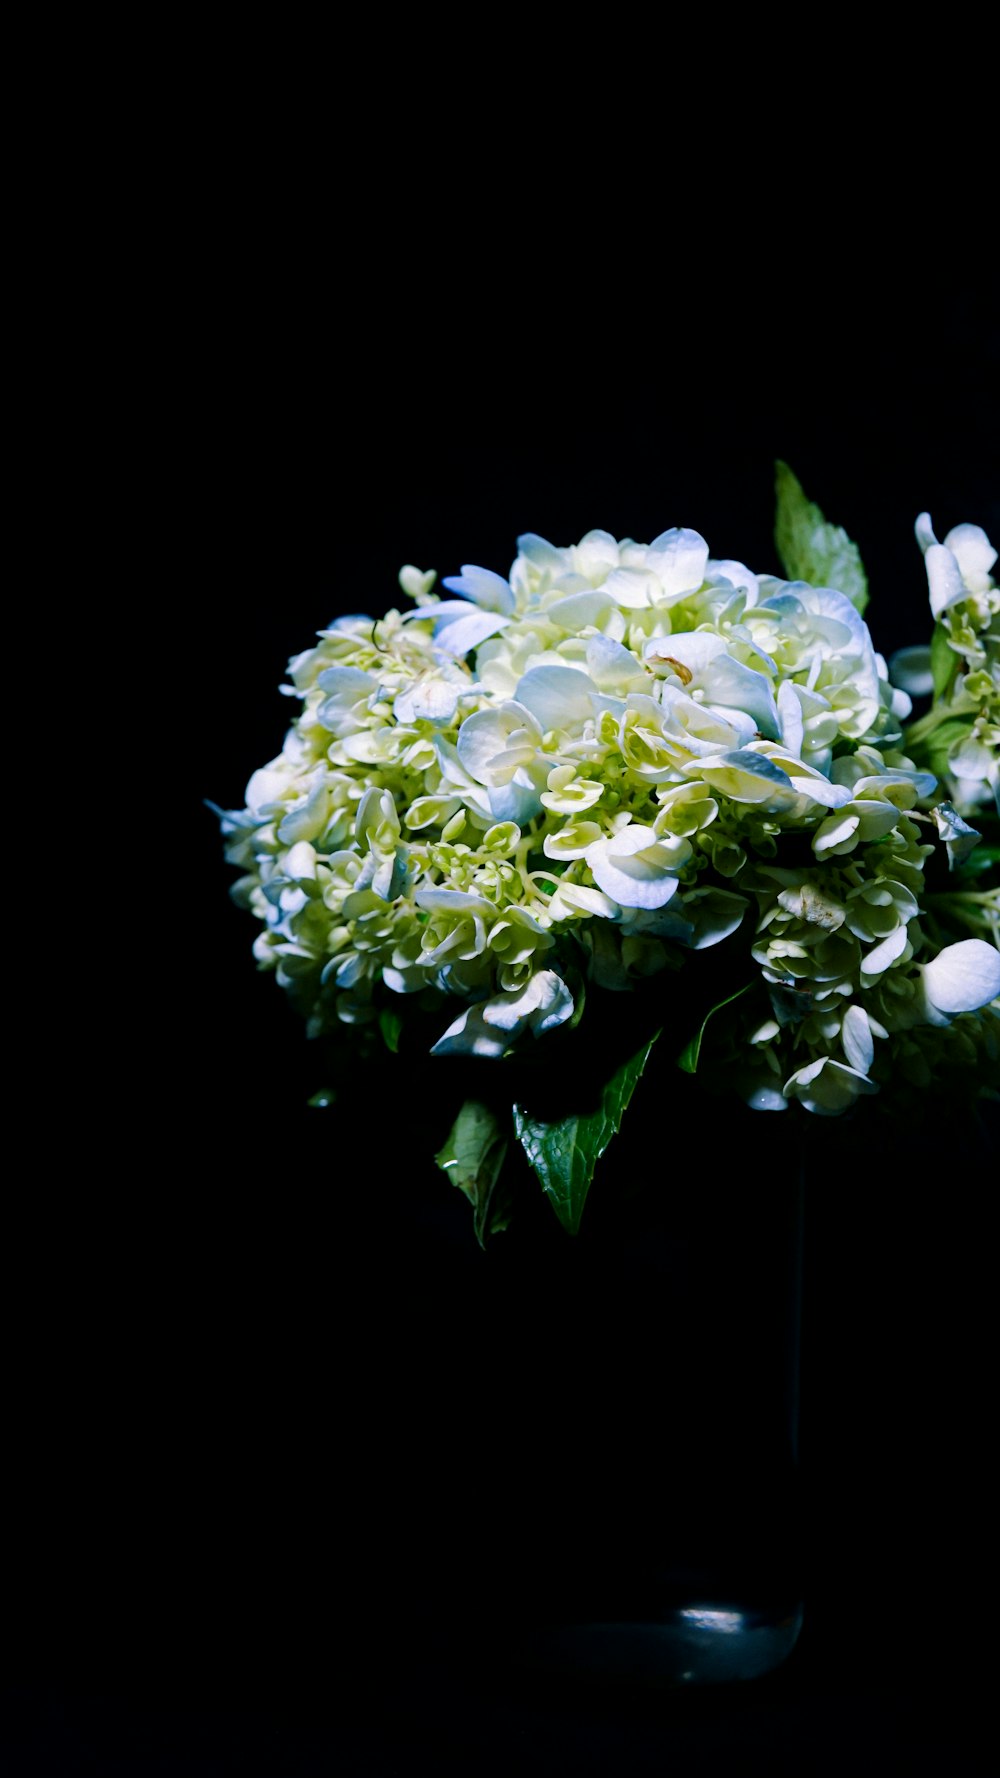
(960,736)
(616,756)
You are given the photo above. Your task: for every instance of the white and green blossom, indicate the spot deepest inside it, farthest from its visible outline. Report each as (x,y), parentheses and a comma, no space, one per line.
(615,756)
(959,737)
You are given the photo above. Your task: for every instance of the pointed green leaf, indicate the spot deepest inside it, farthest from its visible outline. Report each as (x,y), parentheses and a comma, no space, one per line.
(812,549)
(390,1024)
(473,1158)
(944,660)
(565,1153)
(688,1058)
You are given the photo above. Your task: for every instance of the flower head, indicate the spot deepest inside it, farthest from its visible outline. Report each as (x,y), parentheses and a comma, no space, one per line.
(613,757)
(959,737)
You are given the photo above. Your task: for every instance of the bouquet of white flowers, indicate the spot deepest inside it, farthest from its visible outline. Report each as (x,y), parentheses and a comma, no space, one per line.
(629,768)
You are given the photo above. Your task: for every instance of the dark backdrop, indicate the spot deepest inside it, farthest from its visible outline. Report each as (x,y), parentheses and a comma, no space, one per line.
(218,1459)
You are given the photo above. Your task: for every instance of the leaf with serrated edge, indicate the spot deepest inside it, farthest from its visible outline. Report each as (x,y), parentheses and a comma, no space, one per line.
(565,1153)
(812,549)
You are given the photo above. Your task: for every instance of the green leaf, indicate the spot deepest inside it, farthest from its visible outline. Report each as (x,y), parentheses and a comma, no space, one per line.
(810,548)
(944,660)
(473,1158)
(390,1024)
(688,1058)
(565,1153)
(946,736)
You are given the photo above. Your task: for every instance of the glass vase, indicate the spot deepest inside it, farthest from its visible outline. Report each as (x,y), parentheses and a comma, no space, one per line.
(611,1481)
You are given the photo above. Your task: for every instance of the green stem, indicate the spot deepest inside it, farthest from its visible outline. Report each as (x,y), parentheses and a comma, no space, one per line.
(918,731)
(925,725)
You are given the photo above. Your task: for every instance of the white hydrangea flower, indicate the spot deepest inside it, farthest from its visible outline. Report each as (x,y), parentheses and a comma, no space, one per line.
(616,756)
(960,735)
(636,867)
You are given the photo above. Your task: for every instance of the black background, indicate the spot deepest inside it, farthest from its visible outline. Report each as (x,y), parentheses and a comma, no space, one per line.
(223,1319)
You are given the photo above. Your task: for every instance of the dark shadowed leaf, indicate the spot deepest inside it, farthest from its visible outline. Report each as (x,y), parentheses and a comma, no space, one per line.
(473,1158)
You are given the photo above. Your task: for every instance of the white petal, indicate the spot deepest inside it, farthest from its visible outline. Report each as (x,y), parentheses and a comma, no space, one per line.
(469,1035)
(630,587)
(573,840)
(457,629)
(738,575)
(972,550)
(426,700)
(972,759)
(713,914)
(925,531)
(693,648)
(819,788)
(375,806)
(346,684)
(545,1000)
(790,714)
(558,697)
(826,1087)
(517,801)
(488,590)
(571,899)
(307,817)
(679,559)
(555,1006)
(415,582)
(735,686)
(486,733)
(767,1098)
(508,1012)
(265,788)
(856,1037)
(747,777)
(612,667)
(300,862)
(576,610)
(702,729)
(883,955)
(963,977)
(633,868)
(836,834)
(596,553)
(943,578)
(451,901)
(540,553)
(404,981)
